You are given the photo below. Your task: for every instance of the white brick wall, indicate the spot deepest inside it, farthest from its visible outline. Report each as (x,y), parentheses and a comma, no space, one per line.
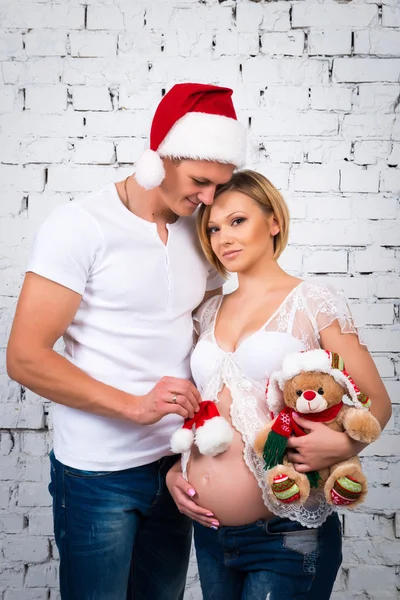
(317,84)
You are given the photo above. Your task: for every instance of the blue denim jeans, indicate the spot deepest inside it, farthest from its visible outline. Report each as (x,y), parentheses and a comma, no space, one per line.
(119,534)
(274,560)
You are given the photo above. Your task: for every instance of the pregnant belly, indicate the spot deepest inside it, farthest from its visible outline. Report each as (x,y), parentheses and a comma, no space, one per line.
(225,486)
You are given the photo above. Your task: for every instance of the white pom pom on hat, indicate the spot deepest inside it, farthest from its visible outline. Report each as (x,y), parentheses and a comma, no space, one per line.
(193,121)
(213,433)
(149,170)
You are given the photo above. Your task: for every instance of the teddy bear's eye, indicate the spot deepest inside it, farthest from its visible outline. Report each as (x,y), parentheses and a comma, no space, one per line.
(321,391)
(299,392)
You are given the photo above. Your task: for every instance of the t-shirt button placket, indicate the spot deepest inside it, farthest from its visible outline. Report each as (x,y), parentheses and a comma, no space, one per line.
(168,272)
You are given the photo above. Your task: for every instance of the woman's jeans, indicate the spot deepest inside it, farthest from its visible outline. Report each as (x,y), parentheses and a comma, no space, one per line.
(274,560)
(119,534)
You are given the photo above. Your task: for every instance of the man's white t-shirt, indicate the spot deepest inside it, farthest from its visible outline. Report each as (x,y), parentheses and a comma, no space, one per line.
(134,322)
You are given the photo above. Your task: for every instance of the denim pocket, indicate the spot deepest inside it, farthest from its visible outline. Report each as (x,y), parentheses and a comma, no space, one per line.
(297,538)
(301,541)
(280,526)
(82,474)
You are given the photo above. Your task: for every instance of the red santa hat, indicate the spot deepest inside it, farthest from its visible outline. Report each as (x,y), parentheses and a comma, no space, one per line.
(193,121)
(321,361)
(213,432)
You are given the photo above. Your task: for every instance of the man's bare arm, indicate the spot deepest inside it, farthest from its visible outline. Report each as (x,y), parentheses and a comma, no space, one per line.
(45,310)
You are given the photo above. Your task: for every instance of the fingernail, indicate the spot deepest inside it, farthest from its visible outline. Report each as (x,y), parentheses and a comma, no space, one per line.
(295,414)
(209,515)
(215,523)
(197,409)
(213,527)
(191,492)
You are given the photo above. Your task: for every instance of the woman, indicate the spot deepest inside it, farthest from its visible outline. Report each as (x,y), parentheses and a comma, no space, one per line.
(243,549)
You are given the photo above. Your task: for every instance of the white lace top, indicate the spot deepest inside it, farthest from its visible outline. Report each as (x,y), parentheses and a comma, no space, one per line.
(295,326)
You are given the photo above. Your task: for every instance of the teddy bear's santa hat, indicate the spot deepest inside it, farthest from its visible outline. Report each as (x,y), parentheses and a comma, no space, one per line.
(320,361)
(213,434)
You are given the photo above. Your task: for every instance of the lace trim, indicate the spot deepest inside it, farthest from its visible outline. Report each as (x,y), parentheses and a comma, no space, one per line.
(210,392)
(204,316)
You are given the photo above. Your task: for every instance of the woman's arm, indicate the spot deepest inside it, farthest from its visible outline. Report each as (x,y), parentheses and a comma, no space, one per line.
(360,365)
(323,446)
(183,495)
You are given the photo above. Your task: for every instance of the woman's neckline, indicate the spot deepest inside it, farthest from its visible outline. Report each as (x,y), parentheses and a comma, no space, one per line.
(247,337)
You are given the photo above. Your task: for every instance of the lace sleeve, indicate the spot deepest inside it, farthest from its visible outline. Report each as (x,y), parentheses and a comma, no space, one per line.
(325,305)
(205,314)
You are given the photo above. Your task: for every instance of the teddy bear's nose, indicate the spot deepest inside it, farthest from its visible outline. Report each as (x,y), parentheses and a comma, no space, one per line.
(309,395)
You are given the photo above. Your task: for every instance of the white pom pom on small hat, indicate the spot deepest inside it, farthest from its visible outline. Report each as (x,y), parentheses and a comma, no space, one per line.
(193,121)
(213,433)
(181,440)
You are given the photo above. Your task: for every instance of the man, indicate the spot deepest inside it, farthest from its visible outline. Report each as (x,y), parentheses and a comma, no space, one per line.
(118,275)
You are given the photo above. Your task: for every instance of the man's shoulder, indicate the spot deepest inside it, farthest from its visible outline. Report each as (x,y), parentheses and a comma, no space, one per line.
(83,215)
(94,200)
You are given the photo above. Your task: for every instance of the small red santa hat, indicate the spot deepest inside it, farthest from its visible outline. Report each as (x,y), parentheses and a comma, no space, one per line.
(213,432)
(194,121)
(321,361)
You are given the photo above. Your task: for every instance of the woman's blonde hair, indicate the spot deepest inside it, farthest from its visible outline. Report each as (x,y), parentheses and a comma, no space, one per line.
(268,198)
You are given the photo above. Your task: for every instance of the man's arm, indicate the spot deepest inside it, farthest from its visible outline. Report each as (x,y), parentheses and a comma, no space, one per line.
(45,310)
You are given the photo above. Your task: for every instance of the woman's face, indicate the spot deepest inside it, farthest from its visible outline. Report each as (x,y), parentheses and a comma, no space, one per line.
(241,233)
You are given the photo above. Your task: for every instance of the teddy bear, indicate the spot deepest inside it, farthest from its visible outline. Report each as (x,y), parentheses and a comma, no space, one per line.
(315,384)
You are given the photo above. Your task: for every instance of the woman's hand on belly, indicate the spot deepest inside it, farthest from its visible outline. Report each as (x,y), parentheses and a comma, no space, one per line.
(183,495)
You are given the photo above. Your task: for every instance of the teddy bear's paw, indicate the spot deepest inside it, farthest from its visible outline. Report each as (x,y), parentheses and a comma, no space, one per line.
(285,489)
(346,491)
(362,426)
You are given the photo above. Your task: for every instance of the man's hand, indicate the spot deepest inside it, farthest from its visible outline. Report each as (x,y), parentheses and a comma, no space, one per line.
(169,396)
(183,494)
(322,447)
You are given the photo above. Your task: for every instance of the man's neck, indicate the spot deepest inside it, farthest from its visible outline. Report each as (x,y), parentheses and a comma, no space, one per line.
(146,204)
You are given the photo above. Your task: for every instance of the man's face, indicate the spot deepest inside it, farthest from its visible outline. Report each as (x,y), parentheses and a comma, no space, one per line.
(187,183)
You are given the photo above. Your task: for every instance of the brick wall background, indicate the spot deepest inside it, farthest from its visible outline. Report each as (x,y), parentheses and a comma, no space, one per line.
(317,85)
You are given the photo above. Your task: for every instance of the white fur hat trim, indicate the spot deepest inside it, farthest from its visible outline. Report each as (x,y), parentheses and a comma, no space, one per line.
(195,136)
(311,361)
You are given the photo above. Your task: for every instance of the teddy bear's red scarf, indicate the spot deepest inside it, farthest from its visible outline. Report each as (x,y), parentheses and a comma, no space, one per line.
(285,424)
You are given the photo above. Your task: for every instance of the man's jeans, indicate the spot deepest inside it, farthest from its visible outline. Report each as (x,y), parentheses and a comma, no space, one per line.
(274,560)
(119,534)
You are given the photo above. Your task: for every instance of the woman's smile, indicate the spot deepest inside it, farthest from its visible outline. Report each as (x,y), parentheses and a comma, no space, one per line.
(229,254)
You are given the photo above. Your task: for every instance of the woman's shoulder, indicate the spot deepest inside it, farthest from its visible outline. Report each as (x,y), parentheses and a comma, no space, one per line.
(319,291)
(325,303)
